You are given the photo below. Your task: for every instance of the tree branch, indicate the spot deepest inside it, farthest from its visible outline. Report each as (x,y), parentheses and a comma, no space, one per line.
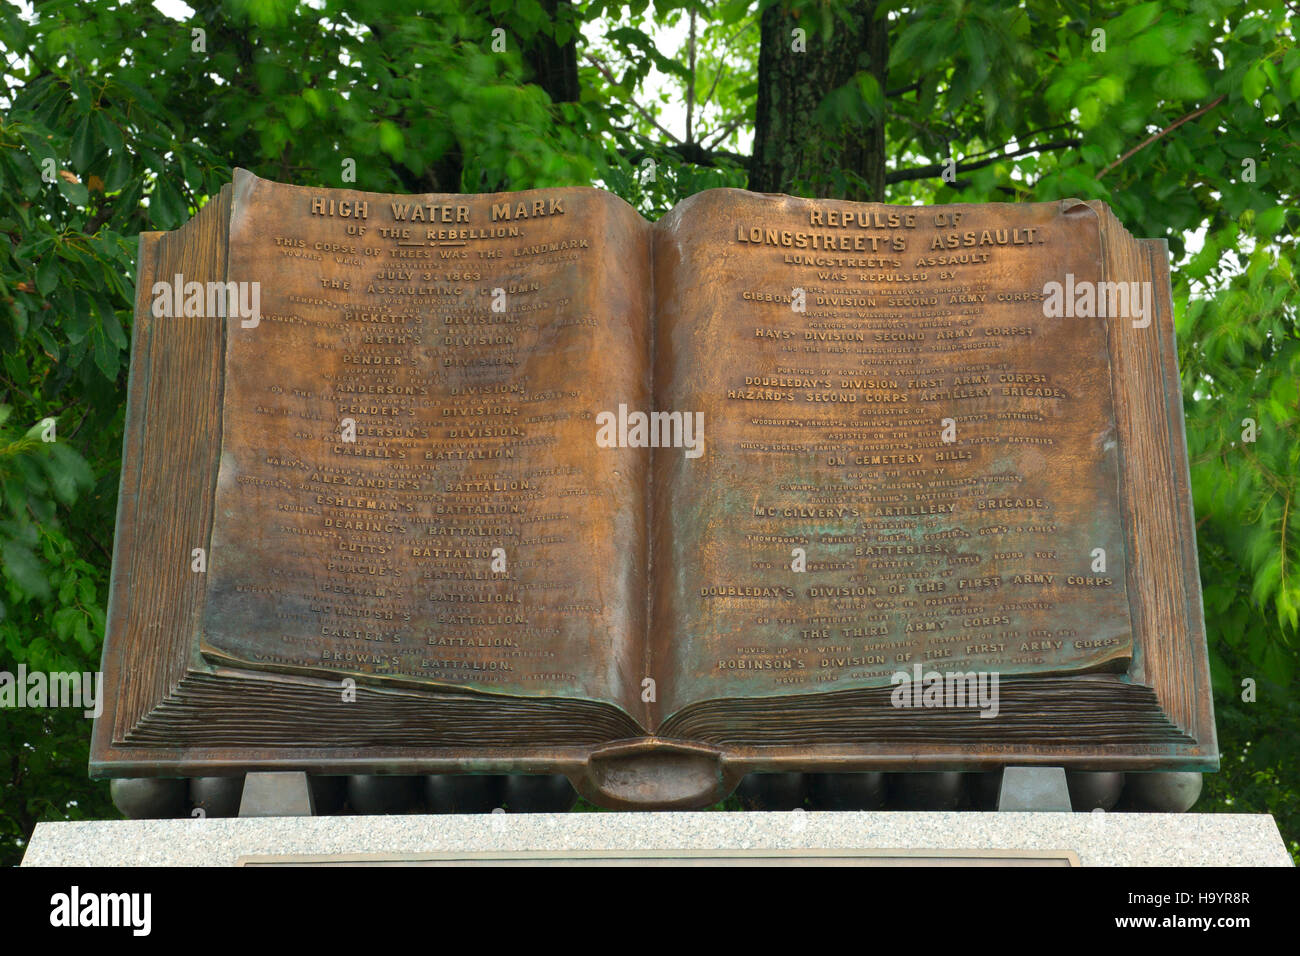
(692,153)
(690,83)
(1030,135)
(604,71)
(936,169)
(722,132)
(1168,129)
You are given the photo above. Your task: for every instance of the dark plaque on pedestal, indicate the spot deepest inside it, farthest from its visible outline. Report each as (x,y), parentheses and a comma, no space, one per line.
(522,483)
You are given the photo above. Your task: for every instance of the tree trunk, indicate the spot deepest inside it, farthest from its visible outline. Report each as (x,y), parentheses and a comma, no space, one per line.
(555,67)
(793,152)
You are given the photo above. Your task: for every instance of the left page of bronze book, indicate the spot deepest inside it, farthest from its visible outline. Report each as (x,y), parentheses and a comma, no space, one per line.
(409,489)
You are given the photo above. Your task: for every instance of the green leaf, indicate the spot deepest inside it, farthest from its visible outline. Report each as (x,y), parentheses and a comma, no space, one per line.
(107,355)
(873,97)
(76,193)
(166,205)
(47,273)
(1181,80)
(118,174)
(1254,82)
(314,99)
(69,473)
(109,133)
(1269,223)
(65,620)
(1151,48)
(83,144)
(22,568)
(1134,20)
(391,140)
(81,632)
(38,145)
(297,113)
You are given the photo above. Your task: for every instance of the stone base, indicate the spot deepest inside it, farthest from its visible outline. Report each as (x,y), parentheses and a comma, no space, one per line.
(870,837)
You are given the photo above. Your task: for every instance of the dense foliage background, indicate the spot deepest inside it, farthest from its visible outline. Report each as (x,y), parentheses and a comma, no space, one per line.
(117,118)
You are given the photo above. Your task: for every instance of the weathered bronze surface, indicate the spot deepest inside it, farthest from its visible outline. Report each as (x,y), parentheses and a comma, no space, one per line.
(827,434)
(825,428)
(472,438)
(901,460)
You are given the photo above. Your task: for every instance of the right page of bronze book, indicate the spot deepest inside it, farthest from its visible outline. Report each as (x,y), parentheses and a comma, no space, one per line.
(911,457)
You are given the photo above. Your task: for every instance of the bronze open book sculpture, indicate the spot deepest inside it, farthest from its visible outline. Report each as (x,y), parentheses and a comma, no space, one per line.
(524,483)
